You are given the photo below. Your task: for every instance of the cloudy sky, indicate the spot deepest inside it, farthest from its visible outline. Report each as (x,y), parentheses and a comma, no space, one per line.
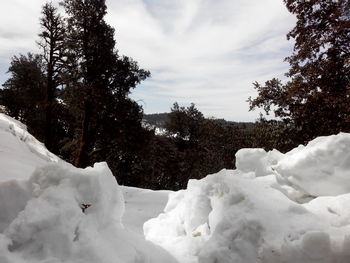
(208,52)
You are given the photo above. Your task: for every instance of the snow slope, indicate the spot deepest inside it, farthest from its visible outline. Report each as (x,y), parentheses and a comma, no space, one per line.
(20,152)
(53,212)
(275,208)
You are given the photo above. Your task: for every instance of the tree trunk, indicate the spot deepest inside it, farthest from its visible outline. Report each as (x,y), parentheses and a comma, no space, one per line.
(48,108)
(81,159)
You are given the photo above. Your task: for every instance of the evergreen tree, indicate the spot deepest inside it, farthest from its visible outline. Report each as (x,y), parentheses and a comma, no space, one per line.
(91,43)
(22,94)
(316,99)
(51,42)
(184,122)
(99,80)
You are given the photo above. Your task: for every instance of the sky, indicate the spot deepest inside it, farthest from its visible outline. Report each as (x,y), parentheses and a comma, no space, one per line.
(207,52)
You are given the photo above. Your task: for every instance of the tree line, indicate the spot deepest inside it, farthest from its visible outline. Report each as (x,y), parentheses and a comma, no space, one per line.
(160,119)
(74,96)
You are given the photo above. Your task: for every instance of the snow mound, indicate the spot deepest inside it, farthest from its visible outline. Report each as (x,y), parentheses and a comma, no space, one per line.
(52,212)
(231,217)
(54,223)
(320,168)
(257,160)
(252,215)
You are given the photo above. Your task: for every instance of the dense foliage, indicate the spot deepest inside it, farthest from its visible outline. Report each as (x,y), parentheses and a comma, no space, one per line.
(191,147)
(22,94)
(316,99)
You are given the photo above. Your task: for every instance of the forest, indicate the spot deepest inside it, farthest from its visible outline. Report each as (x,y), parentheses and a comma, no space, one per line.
(74,96)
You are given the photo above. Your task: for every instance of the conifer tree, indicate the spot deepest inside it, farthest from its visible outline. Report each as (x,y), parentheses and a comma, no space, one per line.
(91,43)
(51,42)
(100,80)
(22,93)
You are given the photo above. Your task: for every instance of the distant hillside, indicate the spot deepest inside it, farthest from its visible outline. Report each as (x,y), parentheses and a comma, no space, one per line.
(241,125)
(159,119)
(156,119)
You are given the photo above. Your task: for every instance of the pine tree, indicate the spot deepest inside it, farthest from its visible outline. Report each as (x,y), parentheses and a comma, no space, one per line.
(99,79)
(91,43)
(51,42)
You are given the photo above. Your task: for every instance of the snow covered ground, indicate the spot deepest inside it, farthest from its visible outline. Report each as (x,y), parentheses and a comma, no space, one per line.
(275,208)
(53,212)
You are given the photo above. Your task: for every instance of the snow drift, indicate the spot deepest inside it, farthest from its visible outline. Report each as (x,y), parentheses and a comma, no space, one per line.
(53,212)
(274,208)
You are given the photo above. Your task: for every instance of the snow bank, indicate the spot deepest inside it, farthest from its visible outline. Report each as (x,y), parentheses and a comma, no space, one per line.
(320,168)
(52,223)
(274,208)
(251,215)
(231,217)
(52,212)
(71,215)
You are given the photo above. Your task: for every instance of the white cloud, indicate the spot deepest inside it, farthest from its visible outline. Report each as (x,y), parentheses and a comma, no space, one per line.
(203,51)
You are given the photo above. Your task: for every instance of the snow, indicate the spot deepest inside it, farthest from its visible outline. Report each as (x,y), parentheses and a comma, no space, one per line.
(320,168)
(142,205)
(257,160)
(19,150)
(157,130)
(264,211)
(274,208)
(53,212)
